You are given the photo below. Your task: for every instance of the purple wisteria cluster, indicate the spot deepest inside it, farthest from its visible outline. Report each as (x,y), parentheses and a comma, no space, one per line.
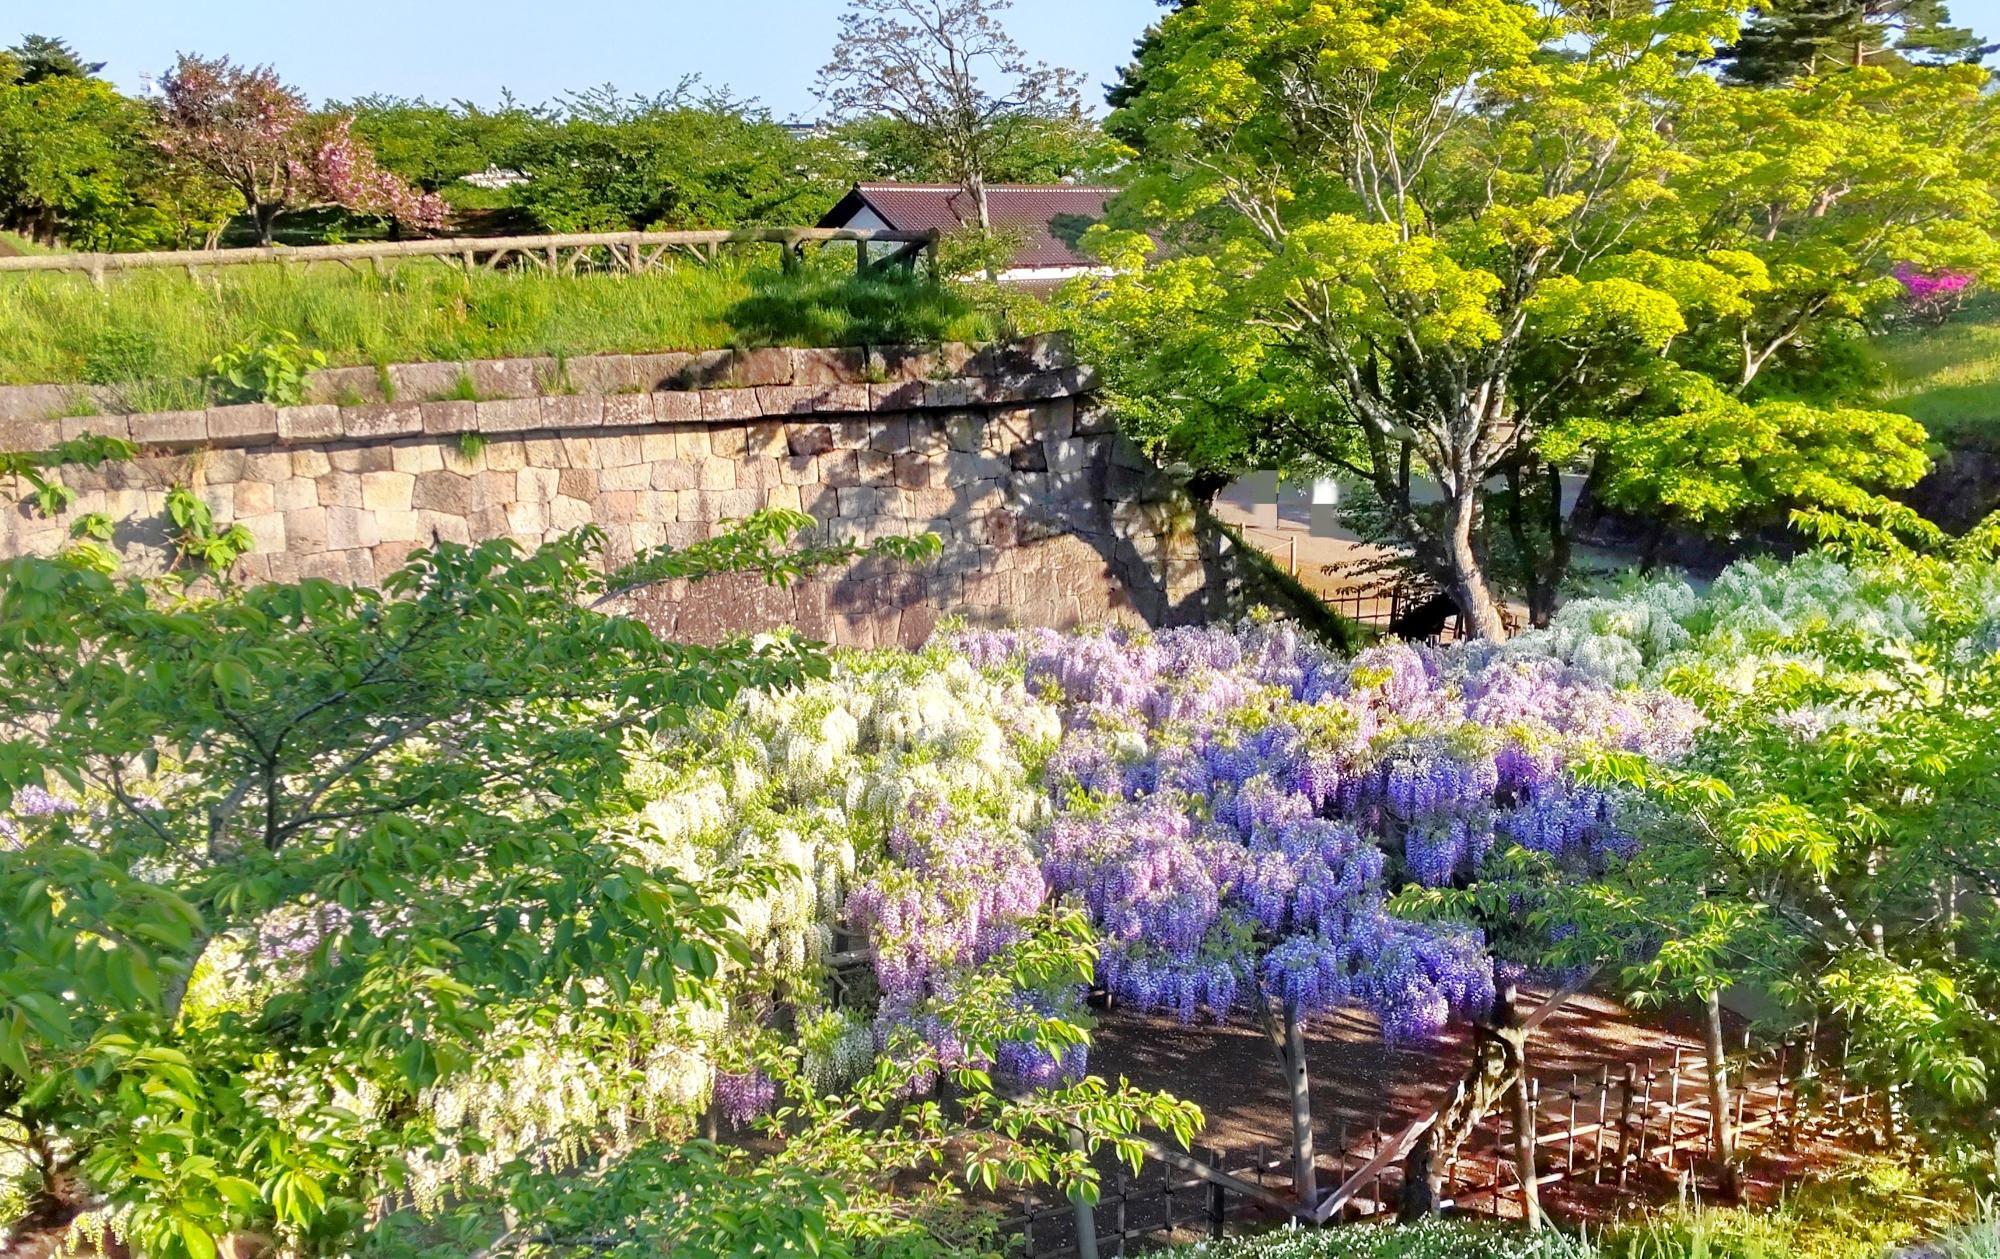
(1237,807)
(744,1095)
(29,802)
(957,893)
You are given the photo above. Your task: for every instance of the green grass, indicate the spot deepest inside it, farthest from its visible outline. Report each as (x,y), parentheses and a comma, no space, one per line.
(162,325)
(21,245)
(1948,378)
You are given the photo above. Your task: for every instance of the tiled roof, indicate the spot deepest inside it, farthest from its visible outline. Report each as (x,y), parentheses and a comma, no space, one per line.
(1054,215)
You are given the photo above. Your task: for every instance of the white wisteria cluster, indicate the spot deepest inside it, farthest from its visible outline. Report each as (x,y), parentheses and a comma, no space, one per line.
(1759,614)
(804,785)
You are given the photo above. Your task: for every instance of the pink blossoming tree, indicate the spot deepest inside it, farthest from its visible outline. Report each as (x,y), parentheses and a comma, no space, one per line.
(248,129)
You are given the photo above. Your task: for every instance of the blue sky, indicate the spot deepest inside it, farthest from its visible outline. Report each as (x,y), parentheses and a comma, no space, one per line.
(447,49)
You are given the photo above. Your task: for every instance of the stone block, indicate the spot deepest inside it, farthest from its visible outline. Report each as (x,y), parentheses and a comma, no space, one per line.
(839,468)
(398,419)
(622,451)
(506,455)
(765,441)
(295,494)
(359,459)
(721,405)
(450,418)
(785,497)
(32,402)
(676,408)
(928,435)
(255,498)
(567,513)
(809,439)
(398,526)
(34,436)
(628,410)
(947,394)
(913,471)
(821,502)
(898,395)
(734,504)
(1029,458)
(415,457)
(577,482)
(421,382)
(267,531)
(387,491)
(254,423)
(694,506)
(710,369)
(306,530)
(728,442)
(889,435)
(872,467)
(162,428)
(799,470)
(643,373)
(435,526)
(528,520)
(718,473)
(444,492)
(843,400)
(691,444)
(302,425)
(510,415)
(965,431)
(75,427)
(655,447)
(631,476)
(1092,419)
(787,400)
(760,367)
(577,452)
(1068,455)
(536,485)
(675,474)
(510,377)
(573,411)
(829,367)
(344,386)
(339,489)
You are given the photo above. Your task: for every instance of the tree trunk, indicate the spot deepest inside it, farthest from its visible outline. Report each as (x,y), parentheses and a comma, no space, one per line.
(1524,1146)
(1305,1172)
(1286,1033)
(1468,574)
(1718,1095)
(1499,1047)
(264,216)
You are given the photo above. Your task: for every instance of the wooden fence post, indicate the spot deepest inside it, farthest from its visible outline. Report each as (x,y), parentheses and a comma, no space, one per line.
(1218,1201)
(1086,1213)
(1597,1147)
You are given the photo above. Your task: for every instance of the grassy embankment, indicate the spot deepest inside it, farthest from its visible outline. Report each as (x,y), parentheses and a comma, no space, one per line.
(1947,378)
(162,326)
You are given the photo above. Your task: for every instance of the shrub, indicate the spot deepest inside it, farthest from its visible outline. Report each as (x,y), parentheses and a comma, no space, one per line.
(1430,1239)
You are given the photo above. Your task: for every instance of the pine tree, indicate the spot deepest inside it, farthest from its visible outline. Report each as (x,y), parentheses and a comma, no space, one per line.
(39,57)
(1785,39)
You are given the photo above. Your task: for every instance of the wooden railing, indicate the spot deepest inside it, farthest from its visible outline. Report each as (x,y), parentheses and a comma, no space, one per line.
(617,252)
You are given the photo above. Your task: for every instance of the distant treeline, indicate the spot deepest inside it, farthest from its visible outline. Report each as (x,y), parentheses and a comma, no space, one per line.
(83,166)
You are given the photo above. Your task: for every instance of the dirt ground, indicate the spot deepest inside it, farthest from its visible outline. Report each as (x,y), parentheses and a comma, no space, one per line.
(1359,1082)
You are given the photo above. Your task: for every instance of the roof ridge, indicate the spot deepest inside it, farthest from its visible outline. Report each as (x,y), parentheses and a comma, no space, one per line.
(989,187)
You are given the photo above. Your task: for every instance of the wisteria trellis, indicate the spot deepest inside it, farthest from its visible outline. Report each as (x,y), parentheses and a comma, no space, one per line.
(1236,809)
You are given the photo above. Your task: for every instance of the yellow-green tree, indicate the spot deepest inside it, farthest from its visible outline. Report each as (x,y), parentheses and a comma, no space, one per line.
(1488,246)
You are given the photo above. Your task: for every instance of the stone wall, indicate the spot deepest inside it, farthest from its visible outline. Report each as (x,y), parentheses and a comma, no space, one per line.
(1047,515)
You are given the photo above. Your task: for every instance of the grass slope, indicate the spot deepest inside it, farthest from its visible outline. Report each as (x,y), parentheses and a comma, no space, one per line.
(163,325)
(1948,378)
